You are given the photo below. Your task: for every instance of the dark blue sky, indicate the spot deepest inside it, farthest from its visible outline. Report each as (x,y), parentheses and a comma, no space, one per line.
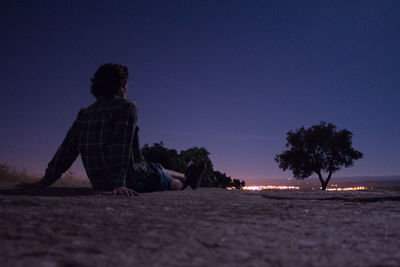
(232,76)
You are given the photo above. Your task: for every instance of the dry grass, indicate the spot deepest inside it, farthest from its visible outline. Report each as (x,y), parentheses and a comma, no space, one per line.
(12,174)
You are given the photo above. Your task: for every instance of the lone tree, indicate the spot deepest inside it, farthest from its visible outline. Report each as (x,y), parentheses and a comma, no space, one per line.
(318,149)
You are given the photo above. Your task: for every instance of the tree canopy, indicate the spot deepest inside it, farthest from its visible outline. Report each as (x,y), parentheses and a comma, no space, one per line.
(318,149)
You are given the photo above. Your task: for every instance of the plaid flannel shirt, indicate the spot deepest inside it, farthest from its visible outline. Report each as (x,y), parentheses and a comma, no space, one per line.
(104,135)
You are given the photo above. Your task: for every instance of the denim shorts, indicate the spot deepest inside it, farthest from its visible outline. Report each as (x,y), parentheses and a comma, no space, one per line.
(165,179)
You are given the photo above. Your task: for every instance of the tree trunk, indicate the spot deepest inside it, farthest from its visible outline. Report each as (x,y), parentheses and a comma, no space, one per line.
(324,183)
(328,179)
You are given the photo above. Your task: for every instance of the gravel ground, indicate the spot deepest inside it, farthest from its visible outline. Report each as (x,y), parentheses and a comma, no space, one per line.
(207,227)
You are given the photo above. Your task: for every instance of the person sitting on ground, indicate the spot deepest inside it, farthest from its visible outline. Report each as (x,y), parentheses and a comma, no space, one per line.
(106,136)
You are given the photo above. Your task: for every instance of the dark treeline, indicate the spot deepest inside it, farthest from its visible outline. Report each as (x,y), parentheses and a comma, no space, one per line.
(171,159)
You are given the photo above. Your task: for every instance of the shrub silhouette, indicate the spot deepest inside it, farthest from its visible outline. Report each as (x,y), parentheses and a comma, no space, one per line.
(318,149)
(173,160)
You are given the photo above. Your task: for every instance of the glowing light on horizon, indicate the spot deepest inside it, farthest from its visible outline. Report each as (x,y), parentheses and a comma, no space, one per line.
(284,187)
(266,187)
(347,188)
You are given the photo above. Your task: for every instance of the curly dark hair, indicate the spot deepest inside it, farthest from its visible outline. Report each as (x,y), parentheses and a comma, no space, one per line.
(109,79)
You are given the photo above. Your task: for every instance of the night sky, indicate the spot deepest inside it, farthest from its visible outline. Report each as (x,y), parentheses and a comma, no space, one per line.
(231,76)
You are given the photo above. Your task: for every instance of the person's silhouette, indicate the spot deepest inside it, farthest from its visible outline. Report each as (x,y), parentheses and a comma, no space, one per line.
(105,134)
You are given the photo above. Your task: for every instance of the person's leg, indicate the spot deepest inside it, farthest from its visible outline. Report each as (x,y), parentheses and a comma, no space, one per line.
(176,184)
(177,175)
(194,174)
(181,181)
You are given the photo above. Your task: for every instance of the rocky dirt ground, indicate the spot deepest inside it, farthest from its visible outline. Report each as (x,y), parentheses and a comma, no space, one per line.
(207,227)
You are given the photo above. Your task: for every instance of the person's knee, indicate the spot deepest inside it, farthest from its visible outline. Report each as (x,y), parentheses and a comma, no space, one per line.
(176,184)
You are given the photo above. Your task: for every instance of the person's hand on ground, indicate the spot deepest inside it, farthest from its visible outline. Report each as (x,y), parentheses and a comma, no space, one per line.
(31,185)
(121,190)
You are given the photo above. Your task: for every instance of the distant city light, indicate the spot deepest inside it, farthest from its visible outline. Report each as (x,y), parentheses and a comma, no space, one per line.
(282,187)
(346,188)
(266,187)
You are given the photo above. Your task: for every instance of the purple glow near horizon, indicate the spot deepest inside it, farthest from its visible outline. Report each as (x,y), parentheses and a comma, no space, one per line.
(231,76)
